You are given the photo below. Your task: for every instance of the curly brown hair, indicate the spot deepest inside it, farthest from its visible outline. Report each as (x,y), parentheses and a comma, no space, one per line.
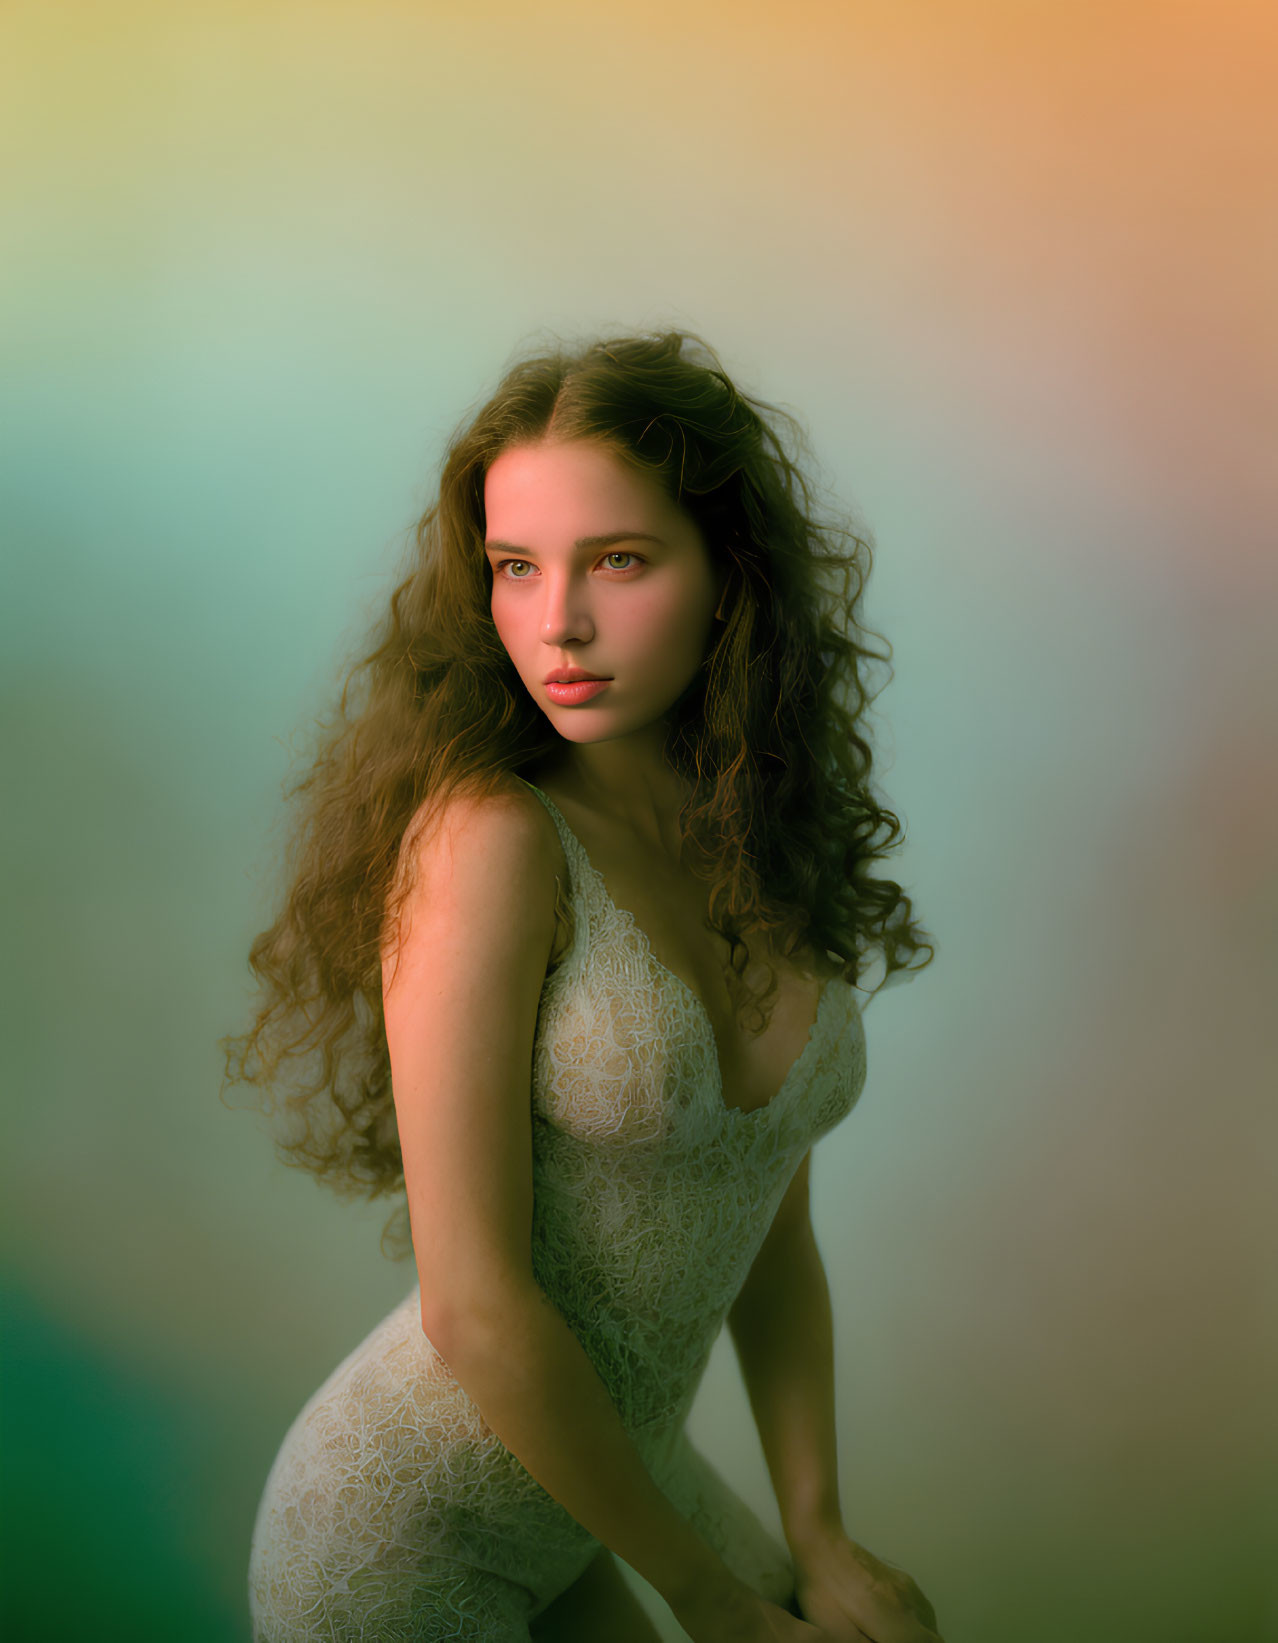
(771,735)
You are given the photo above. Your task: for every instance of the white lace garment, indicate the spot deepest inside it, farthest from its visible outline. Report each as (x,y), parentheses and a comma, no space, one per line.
(392,1510)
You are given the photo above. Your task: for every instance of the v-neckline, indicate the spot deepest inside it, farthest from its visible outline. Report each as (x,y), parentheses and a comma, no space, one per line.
(703,1015)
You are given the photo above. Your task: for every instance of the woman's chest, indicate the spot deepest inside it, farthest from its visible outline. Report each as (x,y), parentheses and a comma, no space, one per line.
(668,909)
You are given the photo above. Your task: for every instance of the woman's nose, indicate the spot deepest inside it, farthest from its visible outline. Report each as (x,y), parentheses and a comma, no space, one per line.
(564,613)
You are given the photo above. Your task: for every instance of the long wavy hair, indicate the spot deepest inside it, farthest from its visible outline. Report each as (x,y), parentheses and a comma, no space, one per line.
(771,735)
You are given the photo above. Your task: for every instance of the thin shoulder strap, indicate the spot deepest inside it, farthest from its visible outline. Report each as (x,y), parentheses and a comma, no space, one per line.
(569,898)
(566,835)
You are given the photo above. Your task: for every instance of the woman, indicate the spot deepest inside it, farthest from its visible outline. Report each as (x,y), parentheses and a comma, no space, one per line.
(578,904)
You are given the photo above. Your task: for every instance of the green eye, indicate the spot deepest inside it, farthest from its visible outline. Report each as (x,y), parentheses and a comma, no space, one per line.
(499,569)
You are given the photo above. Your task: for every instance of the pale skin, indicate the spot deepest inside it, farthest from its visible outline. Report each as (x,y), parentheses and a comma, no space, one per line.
(594,567)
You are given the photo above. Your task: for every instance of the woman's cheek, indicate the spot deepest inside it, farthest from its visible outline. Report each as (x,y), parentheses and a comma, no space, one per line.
(655,621)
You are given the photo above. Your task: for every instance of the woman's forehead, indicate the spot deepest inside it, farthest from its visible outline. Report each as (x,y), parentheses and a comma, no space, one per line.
(576,486)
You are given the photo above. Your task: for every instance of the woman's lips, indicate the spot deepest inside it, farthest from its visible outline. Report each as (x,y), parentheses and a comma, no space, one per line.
(573,695)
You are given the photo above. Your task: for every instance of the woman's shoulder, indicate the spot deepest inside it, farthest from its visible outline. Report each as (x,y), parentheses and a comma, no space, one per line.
(479,859)
(504,821)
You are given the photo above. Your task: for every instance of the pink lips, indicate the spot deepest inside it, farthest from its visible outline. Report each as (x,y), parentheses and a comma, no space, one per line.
(572,695)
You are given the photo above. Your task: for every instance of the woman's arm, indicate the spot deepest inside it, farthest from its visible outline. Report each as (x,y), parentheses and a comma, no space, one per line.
(783,1331)
(462,977)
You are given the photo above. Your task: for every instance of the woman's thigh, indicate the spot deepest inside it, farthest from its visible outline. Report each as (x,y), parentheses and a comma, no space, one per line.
(598,1604)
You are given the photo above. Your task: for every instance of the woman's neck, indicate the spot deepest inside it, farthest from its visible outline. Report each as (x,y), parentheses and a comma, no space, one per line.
(626,784)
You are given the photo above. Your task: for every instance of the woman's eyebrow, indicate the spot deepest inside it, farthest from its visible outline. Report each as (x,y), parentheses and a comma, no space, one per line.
(582,543)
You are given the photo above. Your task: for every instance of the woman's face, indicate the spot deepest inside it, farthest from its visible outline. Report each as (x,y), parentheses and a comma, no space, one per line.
(594,567)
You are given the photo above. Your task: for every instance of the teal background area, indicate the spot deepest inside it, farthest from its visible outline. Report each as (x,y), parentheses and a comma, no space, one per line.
(261,261)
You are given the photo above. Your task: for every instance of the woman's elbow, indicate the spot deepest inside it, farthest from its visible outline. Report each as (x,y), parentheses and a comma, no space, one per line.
(473,1308)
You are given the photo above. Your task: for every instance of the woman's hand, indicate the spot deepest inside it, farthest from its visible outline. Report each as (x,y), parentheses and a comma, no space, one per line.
(851,1596)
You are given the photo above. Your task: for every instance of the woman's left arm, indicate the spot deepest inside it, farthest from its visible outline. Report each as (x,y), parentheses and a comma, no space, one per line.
(782,1328)
(783,1331)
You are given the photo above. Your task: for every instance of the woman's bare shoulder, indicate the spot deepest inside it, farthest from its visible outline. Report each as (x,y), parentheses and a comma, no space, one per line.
(507,823)
(476,868)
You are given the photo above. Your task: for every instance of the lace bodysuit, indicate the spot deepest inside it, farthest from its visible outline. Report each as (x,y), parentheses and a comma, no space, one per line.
(392,1510)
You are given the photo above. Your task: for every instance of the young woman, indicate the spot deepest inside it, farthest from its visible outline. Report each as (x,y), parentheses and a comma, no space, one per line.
(579,900)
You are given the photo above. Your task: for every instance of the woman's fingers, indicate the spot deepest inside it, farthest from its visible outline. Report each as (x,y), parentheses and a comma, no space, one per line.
(910,1596)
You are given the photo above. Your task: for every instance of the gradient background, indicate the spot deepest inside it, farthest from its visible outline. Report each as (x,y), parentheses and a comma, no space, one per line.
(1014,267)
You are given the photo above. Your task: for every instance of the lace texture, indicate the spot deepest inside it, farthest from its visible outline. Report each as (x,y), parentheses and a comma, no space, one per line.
(392,1510)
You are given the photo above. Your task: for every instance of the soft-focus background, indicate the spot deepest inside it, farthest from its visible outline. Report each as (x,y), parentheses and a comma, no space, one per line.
(1013,265)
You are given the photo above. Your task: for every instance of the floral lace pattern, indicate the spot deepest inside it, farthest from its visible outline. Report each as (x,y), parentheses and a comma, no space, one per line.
(392,1510)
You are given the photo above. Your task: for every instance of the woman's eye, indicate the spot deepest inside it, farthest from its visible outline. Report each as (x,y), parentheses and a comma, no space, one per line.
(617,553)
